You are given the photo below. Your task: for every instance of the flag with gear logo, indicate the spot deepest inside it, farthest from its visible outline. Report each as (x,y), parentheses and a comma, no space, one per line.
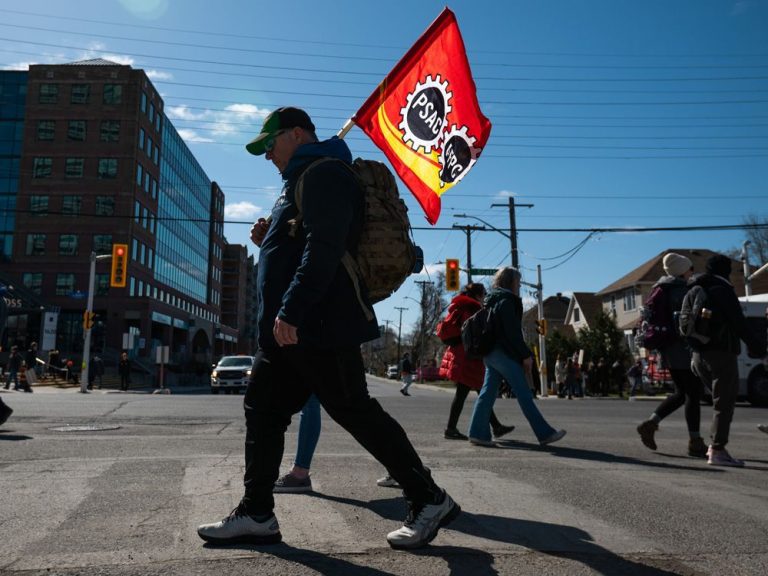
(425,116)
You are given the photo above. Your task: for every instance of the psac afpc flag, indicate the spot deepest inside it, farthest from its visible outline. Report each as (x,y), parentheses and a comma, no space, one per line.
(425,117)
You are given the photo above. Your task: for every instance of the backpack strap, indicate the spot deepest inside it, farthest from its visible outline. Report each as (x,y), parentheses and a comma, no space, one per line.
(349,263)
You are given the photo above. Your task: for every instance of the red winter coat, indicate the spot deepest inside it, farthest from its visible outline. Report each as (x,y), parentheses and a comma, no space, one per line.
(455,365)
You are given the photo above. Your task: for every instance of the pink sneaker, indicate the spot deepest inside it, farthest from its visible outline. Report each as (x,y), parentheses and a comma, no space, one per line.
(722,458)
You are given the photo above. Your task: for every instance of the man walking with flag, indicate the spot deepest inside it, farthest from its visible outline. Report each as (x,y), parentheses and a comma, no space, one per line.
(310,327)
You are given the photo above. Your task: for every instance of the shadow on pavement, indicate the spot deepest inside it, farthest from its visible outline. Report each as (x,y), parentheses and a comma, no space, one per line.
(4,435)
(558,540)
(598,456)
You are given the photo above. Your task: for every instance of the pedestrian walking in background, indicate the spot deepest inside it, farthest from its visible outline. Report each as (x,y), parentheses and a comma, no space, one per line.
(124,370)
(13,367)
(570,378)
(618,376)
(510,359)
(406,374)
(635,375)
(676,357)
(560,374)
(467,373)
(311,322)
(30,361)
(603,377)
(716,361)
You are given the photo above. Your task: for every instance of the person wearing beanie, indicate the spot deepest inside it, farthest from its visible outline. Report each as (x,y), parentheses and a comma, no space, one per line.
(676,357)
(716,361)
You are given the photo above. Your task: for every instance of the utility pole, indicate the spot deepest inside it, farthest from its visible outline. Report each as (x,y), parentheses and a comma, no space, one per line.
(513,227)
(468,231)
(423,325)
(86,362)
(399,329)
(745,264)
(542,337)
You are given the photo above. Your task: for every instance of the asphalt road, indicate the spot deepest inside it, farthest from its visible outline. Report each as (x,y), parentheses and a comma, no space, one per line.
(127,500)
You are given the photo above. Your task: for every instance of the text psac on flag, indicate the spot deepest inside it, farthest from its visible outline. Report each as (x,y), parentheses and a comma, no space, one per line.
(425,116)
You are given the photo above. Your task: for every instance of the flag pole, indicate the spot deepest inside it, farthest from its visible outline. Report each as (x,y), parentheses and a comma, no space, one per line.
(346,128)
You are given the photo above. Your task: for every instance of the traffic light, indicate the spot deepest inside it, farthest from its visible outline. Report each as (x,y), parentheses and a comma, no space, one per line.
(452,283)
(88,320)
(541,326)
(119,265)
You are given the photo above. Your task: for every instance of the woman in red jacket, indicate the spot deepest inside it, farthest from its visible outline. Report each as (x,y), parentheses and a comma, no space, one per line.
(467,373)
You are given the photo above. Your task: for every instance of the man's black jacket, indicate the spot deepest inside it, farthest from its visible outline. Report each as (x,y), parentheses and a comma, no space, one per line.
(300,278)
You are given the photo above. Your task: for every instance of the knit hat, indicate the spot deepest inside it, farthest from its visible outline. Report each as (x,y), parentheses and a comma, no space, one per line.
(676,264)
(719,265)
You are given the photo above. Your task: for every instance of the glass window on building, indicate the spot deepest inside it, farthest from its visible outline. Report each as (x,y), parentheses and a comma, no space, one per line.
(35,245)
(156,155)
(42,167)
(136,212)
(76,131)
(105,206)
(141,139)
(65,284)
(107,168)
(33,281)
(132,286)
(80,93)
(68,245)
(102,284)
(139,174)
(143,101)
(154,189)
(113,94)
(49,94)
(145,217)
(149,147)
(74,168)
(134,249)
(110,131)
(38,205)
(158,122)
(629,299)
(576,314)
(71,205)
(147,179)
(102,243)
(46,129)
(143,255)
(151,113)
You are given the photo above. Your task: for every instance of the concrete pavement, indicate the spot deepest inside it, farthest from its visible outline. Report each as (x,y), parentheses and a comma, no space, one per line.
(128,500)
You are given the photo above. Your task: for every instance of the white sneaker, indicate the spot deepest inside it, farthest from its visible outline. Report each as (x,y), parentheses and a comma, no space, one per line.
(240,527)
(554,437)
(422,523)
(388,482)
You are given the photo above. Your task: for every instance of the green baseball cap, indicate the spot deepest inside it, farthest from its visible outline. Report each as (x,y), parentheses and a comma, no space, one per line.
(280,119)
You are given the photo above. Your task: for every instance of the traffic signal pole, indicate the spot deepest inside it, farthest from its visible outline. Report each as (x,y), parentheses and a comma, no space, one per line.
(542,337)
(88,322)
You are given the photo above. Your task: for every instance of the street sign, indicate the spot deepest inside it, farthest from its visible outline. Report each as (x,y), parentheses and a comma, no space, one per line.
(483,271)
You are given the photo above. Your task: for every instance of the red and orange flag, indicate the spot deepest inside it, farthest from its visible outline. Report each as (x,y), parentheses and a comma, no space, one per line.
(425,117)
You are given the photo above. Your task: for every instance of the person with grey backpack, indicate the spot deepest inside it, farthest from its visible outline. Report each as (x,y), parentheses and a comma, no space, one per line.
(713,323)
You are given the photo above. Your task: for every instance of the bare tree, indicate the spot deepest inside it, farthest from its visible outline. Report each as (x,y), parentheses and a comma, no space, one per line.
(757,234)
(423,340)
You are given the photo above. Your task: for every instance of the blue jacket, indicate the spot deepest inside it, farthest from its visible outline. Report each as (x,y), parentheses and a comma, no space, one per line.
(507,312)
(300,278)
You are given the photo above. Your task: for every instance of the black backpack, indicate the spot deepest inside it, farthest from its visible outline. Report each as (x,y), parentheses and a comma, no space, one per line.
(478,334)
(694,320)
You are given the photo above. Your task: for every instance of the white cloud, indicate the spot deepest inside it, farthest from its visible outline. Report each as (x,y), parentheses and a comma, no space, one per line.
(244,209)
(18,66)
(184,113)
(192,136)
(505,194)
(158,75)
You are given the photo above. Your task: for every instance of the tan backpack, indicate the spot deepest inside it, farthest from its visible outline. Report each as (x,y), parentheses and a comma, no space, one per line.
(386,255)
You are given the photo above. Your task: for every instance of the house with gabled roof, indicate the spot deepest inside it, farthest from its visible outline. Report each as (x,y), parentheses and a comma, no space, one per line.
(582,310)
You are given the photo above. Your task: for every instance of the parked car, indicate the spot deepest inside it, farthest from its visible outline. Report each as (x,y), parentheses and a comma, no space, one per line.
(232,373)
(393,371)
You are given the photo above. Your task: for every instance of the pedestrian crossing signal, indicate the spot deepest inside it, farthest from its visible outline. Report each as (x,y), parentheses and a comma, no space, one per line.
(88,320)
(452,283)
(117,278)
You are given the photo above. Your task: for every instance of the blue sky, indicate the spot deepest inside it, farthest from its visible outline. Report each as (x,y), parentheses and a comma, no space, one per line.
(606,113)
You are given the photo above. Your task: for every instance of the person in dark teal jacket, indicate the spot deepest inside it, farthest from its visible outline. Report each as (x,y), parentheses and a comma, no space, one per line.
(510,359)
(310,327)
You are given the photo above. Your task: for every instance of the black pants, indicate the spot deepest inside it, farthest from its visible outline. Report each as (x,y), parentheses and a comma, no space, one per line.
(720,371)
(688,391)
(281,382)
(457,406)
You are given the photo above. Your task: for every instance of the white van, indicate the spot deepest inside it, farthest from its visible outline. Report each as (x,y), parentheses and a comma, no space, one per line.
(753,373)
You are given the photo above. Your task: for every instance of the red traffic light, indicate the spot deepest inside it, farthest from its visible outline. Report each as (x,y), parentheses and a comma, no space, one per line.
(452,264)
(120,251)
